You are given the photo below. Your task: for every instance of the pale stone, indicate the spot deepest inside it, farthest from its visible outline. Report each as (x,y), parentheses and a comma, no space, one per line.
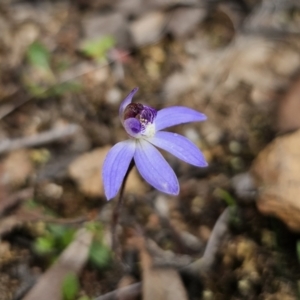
(147,29)
(16,169)
(86,170)
(277,175)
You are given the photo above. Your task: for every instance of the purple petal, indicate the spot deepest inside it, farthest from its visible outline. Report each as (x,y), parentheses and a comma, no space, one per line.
(126,101)
(179,146)
(116,165)
(175,115)
(133,127)
(155,169)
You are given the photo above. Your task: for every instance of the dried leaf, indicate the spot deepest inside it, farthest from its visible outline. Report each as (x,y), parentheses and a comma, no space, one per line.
(158,283)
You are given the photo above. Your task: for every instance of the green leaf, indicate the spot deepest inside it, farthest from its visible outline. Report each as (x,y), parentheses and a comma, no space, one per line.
(98,48)
(57,230)
(70,287)
(62,235)
(44,245)
(100,255)
(67,237)
(84,298)
(38,55)
(31,204)
(224,195)
(36,90)
(65,87)
(95,227)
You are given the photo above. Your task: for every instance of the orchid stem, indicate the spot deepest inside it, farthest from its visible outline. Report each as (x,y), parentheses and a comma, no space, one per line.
(117,210)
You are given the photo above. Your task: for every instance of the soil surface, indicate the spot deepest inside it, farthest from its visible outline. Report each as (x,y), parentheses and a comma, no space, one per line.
(232,232)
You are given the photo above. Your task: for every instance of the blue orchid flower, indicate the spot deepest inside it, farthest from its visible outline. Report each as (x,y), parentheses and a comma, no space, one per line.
(143,125)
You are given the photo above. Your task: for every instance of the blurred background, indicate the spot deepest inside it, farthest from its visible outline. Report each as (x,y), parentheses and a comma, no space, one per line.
(232,232)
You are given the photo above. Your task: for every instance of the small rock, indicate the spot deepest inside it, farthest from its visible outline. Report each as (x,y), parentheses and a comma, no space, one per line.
(268,238)
(148,29)
(131,7)
(208,295)
(244,186)
(237,163)
(277,175)
(212,133)
(245,287)
(113,96)
(184,20)
(178,83)
(235,147)
(5,253)
(113,24)
(262,97)
(192,134)
(16,169)
(197,205)
(52,190)
(245,249)
(156,53)
(161,205)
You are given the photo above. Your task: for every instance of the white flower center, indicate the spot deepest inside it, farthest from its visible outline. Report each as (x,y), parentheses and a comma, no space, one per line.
(149,130)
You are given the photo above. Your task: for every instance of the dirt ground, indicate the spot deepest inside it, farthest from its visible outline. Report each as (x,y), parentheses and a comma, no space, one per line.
(233,230)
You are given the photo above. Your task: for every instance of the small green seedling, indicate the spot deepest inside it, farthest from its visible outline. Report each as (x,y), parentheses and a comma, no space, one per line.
(70,287)
(98,48)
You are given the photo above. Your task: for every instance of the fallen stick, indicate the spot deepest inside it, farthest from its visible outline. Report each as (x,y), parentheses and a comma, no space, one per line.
(206,262)
(38,139)
(8,202)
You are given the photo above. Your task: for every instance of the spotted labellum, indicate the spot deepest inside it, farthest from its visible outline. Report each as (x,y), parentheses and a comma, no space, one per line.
(143,125)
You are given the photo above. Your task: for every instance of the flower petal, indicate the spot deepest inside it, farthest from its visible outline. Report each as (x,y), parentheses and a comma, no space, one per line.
(175,115)
(155,169)
(126,101)
(179,146)
(116,165)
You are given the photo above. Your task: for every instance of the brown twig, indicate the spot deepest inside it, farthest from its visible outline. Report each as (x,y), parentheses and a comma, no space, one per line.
(7,203)
(61,221)
(205,263)
(38,139)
